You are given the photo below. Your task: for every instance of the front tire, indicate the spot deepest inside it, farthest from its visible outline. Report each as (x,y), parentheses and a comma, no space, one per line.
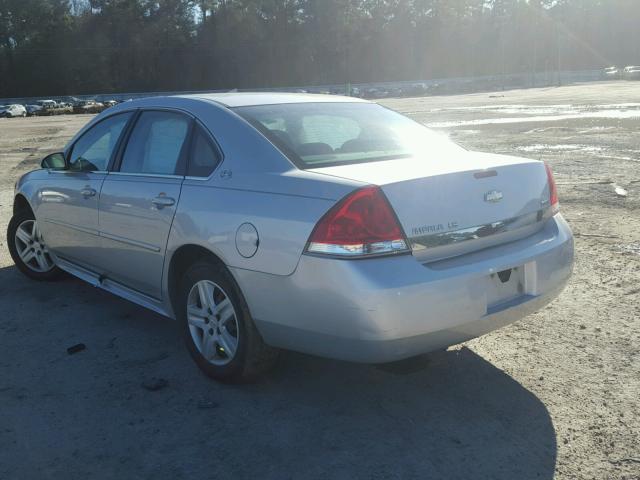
(218,329)
(28,249)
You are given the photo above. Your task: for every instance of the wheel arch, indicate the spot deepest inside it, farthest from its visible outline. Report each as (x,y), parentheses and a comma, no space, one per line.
(20,202)
(181,259)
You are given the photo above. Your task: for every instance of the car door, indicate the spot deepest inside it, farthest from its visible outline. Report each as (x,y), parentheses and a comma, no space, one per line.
(68,210)
(139,200)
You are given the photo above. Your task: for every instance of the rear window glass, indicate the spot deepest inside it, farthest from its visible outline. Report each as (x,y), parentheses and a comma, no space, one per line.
(326,134)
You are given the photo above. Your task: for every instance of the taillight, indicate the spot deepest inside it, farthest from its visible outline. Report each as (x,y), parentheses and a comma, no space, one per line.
(363,223)
(554,203)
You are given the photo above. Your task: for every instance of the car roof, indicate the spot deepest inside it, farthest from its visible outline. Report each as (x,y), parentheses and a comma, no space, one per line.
(246,99)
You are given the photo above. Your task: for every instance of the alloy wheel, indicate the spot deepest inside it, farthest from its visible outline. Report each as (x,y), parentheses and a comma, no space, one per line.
(31,247)
(212,322)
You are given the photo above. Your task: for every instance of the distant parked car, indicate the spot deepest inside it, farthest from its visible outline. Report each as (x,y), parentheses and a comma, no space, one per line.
(79,106)
(611,73)
(32,110)
(52,107)
(64,108)
(416,90)
(631,72)
(47,104)
(440,89)
(375,93)
(15,110)
(110,103)
(88,106)
(47,107)
(70,101)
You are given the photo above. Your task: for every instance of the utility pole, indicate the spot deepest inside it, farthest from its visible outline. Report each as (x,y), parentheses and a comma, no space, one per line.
(347,25)
(503,42)
(536,29)
(559,54)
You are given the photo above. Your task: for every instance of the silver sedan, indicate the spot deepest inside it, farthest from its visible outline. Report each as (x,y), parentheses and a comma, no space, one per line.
(327,225)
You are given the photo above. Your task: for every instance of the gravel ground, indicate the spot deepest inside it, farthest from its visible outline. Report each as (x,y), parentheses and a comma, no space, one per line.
(553,396)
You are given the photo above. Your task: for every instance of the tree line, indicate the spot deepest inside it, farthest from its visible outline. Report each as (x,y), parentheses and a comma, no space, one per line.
(62,47)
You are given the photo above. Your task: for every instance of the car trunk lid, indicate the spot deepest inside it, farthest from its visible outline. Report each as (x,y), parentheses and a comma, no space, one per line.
(459,204)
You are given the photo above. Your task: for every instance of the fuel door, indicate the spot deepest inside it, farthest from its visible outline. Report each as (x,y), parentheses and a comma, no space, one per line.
(247,240)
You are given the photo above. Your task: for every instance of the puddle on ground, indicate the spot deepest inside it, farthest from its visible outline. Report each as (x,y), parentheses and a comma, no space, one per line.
(595,129)
(539,147)
(620,157)
(545,113)
(597,151)
(633,248)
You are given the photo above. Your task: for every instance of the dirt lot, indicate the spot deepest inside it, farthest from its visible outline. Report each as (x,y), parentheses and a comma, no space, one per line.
(553,396)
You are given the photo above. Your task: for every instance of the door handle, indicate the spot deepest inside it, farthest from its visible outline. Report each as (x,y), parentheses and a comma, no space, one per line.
(161,201)
(88,192)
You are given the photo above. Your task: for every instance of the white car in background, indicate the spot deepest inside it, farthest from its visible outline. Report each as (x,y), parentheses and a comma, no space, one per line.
(14,110)
(47,103)
(612,73)
(631,72)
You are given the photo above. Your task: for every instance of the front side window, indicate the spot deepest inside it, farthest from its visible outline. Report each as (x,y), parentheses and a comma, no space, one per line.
(157,144)
(93,150)
(315,135)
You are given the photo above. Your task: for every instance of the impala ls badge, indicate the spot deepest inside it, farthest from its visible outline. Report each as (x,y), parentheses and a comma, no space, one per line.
(494,196)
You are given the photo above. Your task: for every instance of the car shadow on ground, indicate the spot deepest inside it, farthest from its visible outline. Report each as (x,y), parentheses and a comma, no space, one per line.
(91,414)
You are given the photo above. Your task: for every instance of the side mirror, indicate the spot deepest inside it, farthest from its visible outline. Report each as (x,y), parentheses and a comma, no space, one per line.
(55,161)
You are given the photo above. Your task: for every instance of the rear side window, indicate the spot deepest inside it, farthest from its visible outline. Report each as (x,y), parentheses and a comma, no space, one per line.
(157,144)
(204,155)
(93,150)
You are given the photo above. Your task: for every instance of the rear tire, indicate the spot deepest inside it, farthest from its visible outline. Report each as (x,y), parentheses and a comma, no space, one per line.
(217,325)
(28,250)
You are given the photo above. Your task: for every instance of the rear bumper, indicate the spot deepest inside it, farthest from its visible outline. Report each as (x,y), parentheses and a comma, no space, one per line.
(387,309)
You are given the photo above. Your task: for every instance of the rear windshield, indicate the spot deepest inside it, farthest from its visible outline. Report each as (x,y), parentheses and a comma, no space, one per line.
(316,135)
